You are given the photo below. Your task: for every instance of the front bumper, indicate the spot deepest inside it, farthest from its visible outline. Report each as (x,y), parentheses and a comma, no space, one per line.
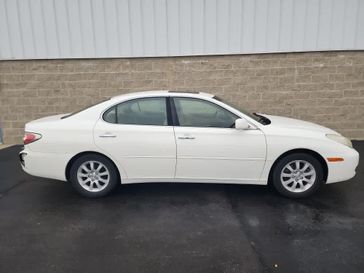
(343,170)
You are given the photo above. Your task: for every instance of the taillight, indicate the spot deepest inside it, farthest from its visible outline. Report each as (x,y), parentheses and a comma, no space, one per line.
(31,137)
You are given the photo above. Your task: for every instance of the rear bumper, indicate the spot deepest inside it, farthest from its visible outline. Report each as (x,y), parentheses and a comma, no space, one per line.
(343,170)
(22,156)
(47,165)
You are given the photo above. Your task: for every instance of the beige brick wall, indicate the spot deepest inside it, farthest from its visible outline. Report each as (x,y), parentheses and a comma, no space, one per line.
(323,87)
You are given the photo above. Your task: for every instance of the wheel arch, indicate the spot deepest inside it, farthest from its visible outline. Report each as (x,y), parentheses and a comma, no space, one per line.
(75,157)
(301,150)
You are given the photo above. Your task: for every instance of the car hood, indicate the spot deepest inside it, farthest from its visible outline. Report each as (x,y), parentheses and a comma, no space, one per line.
(284,122)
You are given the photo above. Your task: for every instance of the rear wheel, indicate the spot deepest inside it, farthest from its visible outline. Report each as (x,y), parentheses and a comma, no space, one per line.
(93,176)
(297,175)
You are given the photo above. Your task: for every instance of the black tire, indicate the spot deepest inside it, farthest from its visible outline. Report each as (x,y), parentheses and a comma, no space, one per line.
(113,177)
(318,180)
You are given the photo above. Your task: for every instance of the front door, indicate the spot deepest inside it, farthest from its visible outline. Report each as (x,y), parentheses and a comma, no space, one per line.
(208,148)
(137,134)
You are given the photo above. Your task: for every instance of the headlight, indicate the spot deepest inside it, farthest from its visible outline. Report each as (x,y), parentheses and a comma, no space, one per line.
(338,138)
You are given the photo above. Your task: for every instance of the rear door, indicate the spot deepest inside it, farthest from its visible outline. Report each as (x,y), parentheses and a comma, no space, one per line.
(138,134)
(209,149)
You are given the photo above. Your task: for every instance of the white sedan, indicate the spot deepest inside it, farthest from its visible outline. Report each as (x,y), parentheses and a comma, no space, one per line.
(172,136)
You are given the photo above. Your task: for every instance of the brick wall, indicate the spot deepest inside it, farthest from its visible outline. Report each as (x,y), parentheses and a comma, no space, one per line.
(324,87)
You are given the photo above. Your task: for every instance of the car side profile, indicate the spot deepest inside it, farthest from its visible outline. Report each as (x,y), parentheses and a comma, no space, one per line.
(172,136)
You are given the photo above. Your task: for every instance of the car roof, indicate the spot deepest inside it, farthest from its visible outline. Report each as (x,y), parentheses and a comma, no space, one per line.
(171,93)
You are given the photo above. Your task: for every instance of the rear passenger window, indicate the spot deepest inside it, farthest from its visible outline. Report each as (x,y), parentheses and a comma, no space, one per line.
(110,115)
(145,111)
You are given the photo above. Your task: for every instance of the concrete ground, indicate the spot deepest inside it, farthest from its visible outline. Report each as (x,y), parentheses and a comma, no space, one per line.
(3,146)
(46,227)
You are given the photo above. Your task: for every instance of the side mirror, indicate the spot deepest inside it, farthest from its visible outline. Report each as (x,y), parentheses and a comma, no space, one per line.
(241,124)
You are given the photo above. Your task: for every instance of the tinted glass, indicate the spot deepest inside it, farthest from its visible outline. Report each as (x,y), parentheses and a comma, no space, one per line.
(200,113)
(146,111)
(110,115)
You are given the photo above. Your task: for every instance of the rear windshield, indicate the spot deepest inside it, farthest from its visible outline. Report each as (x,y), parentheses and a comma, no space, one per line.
(83,109)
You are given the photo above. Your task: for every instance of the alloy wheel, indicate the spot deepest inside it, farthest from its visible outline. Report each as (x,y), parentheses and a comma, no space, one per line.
(93,176)
(298,176)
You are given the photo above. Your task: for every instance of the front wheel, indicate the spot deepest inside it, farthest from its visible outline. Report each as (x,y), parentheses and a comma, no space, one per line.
(297,175)
(93,176)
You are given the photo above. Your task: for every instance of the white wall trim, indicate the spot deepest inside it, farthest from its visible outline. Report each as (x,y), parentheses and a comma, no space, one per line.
(53,29)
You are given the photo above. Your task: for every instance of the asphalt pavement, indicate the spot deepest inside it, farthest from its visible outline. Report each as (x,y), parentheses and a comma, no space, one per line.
(163,227)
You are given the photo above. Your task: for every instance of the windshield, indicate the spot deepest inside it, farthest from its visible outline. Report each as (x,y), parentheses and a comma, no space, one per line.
(259,118)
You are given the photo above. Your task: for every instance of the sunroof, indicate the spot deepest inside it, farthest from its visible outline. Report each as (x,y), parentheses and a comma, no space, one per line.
(180,91)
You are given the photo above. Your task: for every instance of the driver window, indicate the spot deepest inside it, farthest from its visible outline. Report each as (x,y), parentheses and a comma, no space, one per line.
(199,113)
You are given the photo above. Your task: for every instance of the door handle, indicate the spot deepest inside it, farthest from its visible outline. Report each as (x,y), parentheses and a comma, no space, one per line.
(186,137)
(107,135)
